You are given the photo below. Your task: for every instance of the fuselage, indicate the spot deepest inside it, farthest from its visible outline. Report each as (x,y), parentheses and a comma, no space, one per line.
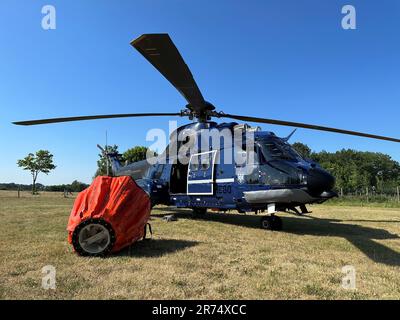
(230,166)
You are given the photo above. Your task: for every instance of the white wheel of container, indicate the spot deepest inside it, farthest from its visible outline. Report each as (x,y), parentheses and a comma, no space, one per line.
(93,237)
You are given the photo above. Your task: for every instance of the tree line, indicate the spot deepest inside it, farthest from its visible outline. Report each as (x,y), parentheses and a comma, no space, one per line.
(75,186)
(357,170)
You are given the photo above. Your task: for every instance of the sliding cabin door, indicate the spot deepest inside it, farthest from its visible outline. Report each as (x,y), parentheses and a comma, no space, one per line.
(200,178)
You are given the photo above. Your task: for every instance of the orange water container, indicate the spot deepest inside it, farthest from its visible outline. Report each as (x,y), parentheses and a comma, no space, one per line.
(110,214)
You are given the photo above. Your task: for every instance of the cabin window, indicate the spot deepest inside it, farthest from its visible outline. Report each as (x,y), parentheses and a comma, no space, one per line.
(248,170)
(159,170)
(205,161)
(194,165)
(201,162)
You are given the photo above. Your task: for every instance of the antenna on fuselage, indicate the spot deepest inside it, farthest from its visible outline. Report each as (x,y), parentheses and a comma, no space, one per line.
(290,135)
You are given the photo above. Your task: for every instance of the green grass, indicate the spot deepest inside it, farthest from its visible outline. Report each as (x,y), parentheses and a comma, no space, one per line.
(220,256)
(383,201)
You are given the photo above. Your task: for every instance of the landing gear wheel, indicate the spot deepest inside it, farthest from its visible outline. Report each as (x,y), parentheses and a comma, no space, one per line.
(271,223)
(199,211)
(93,237)
(277,223)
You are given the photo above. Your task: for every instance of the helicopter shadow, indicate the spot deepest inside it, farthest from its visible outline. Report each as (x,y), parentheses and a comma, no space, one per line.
(362,237)
(154,248)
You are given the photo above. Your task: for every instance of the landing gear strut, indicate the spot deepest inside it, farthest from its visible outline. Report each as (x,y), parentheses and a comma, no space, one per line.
(271,223)
(303,209)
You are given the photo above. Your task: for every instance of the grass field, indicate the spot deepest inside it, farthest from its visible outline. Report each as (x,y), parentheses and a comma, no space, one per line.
(220,256)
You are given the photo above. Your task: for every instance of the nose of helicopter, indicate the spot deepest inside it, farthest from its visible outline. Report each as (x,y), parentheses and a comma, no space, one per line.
(319,180)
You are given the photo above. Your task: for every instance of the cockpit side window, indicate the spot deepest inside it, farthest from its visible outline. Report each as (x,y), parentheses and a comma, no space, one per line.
(272,150)
(277,150)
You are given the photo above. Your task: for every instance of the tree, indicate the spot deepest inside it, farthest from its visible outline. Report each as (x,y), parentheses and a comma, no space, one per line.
(303,149)
(135,154)
(103,161)
(77,186)
(357,170)
(42,161)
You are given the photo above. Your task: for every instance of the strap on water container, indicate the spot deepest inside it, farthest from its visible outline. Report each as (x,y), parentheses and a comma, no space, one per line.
(145,231)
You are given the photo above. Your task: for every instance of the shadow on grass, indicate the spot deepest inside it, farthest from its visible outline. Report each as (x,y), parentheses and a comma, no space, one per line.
(155,247)
(366,220)
(360,236)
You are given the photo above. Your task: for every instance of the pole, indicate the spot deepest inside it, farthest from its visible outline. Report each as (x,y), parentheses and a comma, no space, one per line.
(367,195)
(398,194)
(19,191)
(108,173)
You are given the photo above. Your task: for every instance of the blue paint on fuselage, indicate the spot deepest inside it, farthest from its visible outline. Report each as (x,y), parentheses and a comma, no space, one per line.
(228,185)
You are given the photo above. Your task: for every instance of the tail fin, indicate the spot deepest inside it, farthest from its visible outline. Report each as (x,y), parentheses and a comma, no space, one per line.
(113,158)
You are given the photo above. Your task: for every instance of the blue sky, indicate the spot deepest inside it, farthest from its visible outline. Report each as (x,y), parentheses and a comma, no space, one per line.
(279,59)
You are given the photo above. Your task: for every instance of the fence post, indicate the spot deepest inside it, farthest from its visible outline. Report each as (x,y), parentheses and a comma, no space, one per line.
(367,195)
(341,192)
(19,190)
(398,194)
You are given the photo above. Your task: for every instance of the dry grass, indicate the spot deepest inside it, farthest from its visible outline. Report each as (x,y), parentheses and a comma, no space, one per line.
(222,256)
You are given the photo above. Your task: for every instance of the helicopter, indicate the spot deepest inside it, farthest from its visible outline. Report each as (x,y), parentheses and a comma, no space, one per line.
(276,179)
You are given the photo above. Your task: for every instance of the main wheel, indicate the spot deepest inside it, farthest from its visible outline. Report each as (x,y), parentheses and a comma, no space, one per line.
(277,223)
(271,223)
(93,237)
(199,211)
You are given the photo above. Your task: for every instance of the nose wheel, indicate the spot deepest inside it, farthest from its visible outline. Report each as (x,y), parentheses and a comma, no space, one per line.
(271,223)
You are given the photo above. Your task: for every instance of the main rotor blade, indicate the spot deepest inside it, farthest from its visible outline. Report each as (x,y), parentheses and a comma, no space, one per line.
(308,126)
(103,116)
(161,52)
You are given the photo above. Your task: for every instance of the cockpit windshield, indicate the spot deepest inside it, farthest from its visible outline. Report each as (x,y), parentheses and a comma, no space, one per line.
(277,149)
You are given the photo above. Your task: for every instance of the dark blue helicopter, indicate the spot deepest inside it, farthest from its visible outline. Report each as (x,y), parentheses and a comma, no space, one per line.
(277,178)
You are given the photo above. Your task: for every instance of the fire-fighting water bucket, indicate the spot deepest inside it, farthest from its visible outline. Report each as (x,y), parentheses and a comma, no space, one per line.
(109,215)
